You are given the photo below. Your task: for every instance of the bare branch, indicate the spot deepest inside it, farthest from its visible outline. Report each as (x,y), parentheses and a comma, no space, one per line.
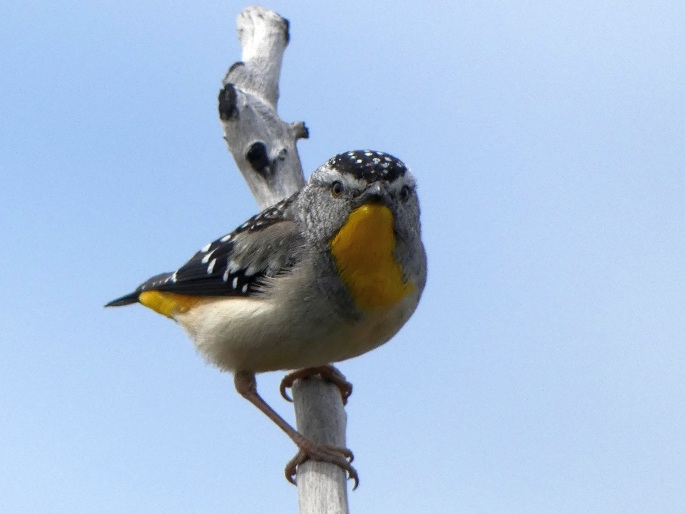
(320,417)
(262,144)
(263,147)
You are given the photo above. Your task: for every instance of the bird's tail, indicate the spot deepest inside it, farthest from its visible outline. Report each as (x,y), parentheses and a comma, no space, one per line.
(124,300)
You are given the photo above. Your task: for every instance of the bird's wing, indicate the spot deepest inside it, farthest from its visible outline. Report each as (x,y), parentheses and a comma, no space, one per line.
(235,265)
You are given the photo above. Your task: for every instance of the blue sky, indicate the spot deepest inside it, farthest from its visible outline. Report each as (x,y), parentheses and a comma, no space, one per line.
(543,370)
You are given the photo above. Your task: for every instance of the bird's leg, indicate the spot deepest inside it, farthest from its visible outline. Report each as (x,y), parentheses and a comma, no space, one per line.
(246,385)
(328,373)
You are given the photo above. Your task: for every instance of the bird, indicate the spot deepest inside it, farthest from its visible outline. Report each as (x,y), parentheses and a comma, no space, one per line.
(323,276)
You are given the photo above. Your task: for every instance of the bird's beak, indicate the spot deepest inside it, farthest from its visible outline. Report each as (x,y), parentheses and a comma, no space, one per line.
(375,192)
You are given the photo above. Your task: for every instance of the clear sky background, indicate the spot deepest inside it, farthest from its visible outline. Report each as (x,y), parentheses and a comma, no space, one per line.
(544,370)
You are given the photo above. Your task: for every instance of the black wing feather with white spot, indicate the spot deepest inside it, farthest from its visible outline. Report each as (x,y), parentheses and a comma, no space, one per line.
(236,264)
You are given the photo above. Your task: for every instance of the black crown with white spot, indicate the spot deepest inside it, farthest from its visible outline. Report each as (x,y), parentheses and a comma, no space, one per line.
(369,165)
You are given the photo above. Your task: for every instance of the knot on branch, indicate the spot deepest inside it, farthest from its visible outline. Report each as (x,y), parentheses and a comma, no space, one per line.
(228,103)
(258,158)
(299,130)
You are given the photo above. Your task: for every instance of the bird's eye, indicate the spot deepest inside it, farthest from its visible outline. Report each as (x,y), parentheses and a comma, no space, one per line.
(404,193)
(336,188)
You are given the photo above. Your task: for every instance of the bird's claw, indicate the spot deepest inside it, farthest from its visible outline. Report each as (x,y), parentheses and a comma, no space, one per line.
(341,457)
(328,373)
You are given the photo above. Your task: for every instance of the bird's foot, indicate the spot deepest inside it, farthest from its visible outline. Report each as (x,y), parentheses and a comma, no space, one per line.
(309,450)
(328,373)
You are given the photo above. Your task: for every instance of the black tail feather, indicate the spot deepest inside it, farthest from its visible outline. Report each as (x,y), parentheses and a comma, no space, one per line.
(124,300)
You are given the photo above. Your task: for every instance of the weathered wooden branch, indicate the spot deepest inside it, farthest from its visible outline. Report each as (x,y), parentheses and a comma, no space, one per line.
(262,144)
(263,147)
(320,415)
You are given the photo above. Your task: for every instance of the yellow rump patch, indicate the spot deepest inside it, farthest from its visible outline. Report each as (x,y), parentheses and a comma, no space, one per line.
(167,304)
(364,252)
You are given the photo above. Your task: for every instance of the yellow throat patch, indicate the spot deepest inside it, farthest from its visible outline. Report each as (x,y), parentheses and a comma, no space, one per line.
(364,253)
(167,304)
